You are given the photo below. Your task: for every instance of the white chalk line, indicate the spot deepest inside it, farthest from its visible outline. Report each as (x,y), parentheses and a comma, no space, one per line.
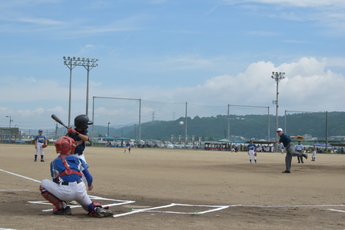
(14,190)
(156,209)
(121,202)
(288,206)
(28,178)
(335,210)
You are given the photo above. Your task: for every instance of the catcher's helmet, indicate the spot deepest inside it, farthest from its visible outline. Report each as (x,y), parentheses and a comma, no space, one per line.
(65,145)
(82,121)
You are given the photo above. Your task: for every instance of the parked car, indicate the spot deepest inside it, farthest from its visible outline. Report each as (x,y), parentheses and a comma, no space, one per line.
(140,143)
(189,146)
(157,144)
(168,145)
(149,144)
(179,146)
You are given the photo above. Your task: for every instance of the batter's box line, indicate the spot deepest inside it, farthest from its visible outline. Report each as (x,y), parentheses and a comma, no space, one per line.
(155,209)
(294,206)
(121,202)
(335,210)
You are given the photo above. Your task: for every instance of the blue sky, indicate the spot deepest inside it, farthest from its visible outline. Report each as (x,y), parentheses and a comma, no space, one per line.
(205,52)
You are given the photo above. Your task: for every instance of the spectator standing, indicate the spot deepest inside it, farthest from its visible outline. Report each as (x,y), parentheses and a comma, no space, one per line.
(299,148)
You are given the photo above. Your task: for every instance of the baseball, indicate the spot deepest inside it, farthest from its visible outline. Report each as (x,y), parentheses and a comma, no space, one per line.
(181,123)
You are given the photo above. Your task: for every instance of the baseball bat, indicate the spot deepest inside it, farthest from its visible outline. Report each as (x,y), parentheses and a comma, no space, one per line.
(55,118)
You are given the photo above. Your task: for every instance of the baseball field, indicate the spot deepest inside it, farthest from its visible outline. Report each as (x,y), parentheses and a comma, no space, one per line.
(180,189)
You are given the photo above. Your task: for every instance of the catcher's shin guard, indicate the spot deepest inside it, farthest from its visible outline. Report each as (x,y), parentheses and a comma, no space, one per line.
(51,198)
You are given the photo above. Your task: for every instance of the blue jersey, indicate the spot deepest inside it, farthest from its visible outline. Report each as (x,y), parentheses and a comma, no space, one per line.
(285,139)
(40,138)
(75,164)
(79,142)
(252,146)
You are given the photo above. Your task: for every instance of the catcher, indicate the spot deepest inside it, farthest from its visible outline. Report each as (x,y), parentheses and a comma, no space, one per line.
(290,148)
(67,185)
(40,144)
(252,151)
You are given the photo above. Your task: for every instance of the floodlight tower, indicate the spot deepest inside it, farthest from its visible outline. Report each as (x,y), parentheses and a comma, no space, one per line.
(70,63)
(88,64)
(10,121)
(277,76)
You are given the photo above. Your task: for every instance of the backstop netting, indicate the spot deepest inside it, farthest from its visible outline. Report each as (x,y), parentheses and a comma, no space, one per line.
(138,119)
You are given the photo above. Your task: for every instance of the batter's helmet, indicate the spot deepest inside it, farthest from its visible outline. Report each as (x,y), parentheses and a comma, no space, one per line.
(82,121)
(65,145)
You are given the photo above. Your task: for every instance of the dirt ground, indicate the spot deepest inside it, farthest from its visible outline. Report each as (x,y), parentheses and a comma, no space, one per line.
(214,190)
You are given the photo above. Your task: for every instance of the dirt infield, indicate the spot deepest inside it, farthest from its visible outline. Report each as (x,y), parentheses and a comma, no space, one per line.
(180,189)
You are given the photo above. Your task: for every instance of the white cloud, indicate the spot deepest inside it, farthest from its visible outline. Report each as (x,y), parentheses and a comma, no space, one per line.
(308,84)
(40,21)
(324,13)
(336,62)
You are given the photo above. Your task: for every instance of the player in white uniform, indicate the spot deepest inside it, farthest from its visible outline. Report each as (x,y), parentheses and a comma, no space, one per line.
(313,157)
(67,185)
(251,151)
(40,142)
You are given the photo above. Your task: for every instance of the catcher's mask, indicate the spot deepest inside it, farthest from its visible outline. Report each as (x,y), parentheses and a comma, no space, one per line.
(65,145)
(82,121)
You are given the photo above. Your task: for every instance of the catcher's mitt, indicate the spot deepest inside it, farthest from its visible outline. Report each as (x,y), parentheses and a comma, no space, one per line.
(44,146)
(299,137)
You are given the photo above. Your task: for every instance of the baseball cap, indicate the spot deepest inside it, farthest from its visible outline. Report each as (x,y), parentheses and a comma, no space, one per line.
(40,130)
(279,130)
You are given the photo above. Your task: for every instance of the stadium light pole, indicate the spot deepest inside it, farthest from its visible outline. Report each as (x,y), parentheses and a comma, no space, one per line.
(108,128)
(10,121)
(70,63)
(185,123)
(88,64)
(277,76)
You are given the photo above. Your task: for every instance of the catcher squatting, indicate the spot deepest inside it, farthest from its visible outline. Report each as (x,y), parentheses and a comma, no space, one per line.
(67,171)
